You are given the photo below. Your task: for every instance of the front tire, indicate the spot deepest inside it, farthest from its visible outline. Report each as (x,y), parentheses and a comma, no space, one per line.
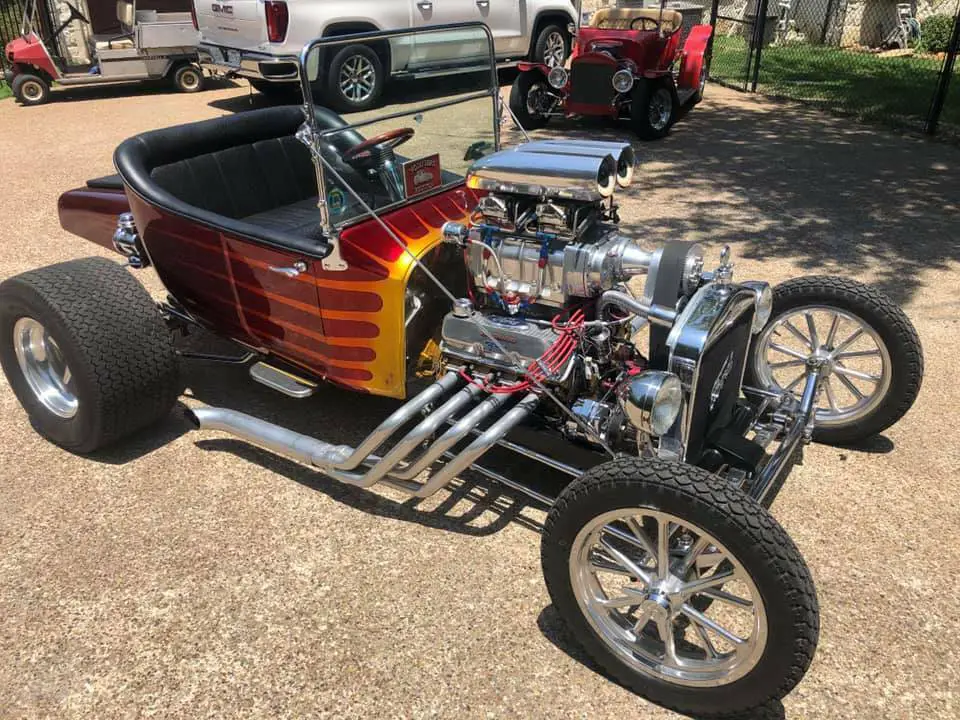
(86,353)
(355,79)
(526,97)
(628,550)
(653,108)
(874,365)
(30,89)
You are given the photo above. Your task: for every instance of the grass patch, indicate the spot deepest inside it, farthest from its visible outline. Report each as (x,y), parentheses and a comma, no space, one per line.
(892,89)
(5,91)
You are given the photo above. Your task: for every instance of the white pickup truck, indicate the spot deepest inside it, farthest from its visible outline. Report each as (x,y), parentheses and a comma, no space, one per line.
(256,39)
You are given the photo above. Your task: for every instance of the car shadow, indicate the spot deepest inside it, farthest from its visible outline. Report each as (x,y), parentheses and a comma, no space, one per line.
(553,628)
(84,93)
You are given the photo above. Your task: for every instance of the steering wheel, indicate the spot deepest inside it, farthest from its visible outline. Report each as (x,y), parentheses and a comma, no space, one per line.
(384,141)
(644,22)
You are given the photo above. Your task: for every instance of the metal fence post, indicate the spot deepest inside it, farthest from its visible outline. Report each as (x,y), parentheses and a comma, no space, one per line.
(943,82)
(759,33)
(714,11)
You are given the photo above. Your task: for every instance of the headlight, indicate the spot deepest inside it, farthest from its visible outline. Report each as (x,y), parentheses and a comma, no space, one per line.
(622,81)
(764,303)
(652,400)
(557,77)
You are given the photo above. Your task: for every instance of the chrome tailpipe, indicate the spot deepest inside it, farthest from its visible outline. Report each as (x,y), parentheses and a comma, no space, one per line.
(394,467)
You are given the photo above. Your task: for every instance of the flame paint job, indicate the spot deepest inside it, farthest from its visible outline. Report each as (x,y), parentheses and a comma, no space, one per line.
(347,327)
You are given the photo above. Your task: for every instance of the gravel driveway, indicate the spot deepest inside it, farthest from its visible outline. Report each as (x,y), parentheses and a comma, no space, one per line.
(184,574)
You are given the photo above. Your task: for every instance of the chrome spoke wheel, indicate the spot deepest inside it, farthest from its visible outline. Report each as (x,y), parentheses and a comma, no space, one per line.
(44,368)
(554,51)
(855,362)
(661,108)
(638,574)
(357,78)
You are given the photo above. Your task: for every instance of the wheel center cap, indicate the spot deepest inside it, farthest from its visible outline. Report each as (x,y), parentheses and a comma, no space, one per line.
(656,605)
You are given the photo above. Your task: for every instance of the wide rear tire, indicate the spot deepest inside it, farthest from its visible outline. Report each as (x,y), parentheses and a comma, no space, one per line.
(607,524)
(86,353)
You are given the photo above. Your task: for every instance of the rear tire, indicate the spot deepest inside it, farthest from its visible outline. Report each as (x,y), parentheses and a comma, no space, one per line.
(30,89)
(355,79)
(188,79)
(552,47)
(653,108)
(118,371)
(697,507)
(520,103)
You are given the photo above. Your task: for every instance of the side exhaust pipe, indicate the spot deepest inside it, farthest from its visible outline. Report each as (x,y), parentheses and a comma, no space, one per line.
(394,467)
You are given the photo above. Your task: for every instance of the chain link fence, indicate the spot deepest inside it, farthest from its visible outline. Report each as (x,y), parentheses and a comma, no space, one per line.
(875,59)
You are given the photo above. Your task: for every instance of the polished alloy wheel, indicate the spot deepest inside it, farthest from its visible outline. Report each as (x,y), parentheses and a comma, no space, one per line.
(32,90)
(554,50)
(854,361)
(661,108)
(44,368)
(357,78)
(637,575)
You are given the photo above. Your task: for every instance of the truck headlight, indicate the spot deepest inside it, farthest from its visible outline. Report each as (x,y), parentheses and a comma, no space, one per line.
(557,77)
(622,81)
(652,401)
(764,303)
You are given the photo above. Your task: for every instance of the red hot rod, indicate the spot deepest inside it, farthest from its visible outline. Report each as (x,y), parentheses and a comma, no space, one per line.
(626,63)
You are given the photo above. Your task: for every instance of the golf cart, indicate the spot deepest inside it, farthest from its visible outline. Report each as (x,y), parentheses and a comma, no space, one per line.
(628,62)
(150,46)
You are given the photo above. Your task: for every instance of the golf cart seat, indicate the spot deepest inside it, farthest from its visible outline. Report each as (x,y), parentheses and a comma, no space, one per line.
(126,16)
(622,18)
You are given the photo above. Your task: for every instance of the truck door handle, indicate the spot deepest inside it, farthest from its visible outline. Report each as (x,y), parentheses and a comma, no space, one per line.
(425,5)
(291,272)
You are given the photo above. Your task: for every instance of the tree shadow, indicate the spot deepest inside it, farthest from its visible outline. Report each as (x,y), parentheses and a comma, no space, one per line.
(831,194)
(555,630)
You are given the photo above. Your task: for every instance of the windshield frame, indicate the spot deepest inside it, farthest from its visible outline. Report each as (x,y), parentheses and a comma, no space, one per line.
(492,91)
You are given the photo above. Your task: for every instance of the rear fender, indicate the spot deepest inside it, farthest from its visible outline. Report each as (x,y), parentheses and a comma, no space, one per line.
(92,213)
(694,56)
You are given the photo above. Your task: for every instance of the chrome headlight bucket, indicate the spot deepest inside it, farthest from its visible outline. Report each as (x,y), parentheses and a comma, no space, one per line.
(652,401)
(764,303)
(557,77)
(622,81)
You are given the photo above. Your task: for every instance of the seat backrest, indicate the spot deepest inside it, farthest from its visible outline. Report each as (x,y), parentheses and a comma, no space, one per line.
(622,18)
(125,14)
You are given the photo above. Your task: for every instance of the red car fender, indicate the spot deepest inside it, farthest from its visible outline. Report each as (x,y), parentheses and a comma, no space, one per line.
(29,51)
(528,66)
(694,51)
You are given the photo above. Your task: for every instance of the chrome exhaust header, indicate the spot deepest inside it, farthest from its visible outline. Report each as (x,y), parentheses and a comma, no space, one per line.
(395,467)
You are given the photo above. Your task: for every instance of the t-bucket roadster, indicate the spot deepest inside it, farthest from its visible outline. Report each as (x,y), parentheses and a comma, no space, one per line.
(626,62)
(503,284)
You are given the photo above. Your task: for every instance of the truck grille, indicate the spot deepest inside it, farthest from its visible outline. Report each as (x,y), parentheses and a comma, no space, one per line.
(590,83)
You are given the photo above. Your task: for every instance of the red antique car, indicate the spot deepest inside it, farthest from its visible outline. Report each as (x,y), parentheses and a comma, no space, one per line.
(626,63)
(657,426)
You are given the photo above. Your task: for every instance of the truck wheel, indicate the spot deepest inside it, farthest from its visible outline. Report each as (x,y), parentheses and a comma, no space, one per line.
(188,79)
(30,89)
(86,353)
(653,108)
(873,358)
(528,95)
(632,545)
(552,46)
(355,79)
